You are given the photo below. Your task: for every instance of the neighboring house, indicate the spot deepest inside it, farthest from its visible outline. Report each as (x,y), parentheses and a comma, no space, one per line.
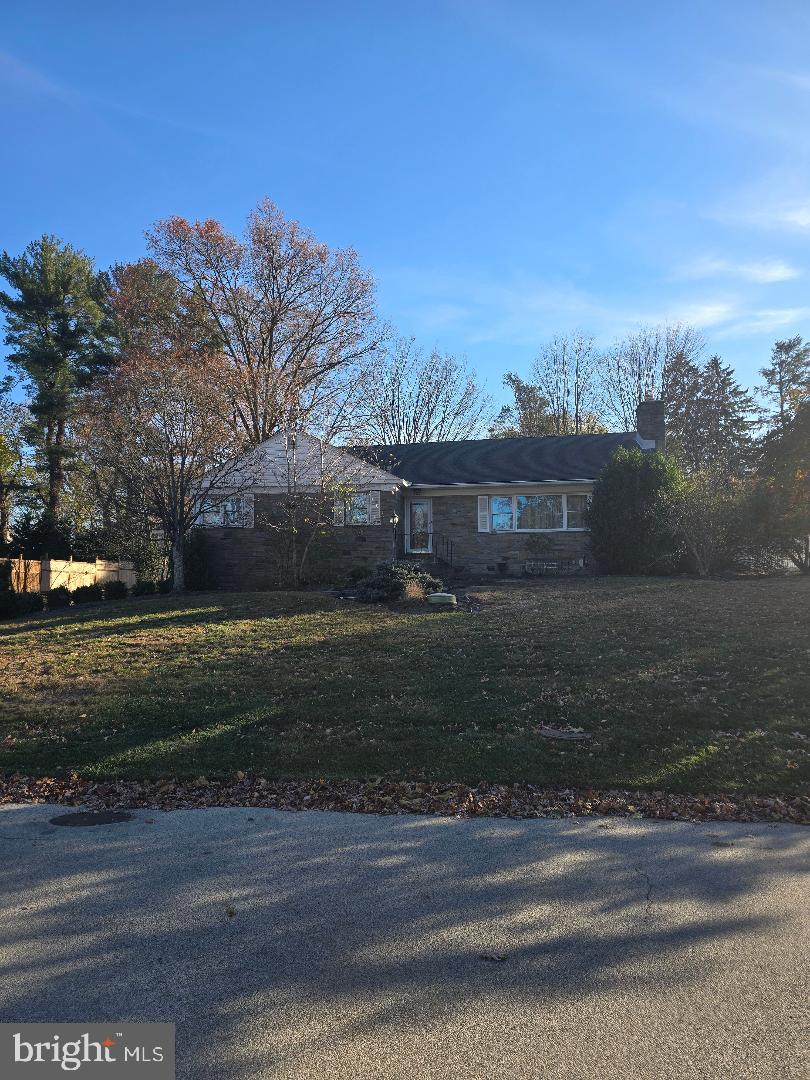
(499,506)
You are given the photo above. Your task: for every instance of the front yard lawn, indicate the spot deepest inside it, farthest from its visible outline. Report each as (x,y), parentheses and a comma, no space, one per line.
(682,686)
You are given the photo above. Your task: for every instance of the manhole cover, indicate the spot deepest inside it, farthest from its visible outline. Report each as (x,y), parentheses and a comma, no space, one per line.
(91,817)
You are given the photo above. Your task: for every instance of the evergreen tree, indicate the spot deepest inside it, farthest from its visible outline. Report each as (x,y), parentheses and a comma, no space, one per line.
(680,392)
(630,529)
(59,332)
(723,420)
(787,380)
(528,416)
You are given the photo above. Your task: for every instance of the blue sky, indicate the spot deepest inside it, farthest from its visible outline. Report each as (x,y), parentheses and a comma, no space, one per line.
(507,170)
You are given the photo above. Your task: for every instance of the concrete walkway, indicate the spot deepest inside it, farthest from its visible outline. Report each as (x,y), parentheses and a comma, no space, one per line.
(342,946)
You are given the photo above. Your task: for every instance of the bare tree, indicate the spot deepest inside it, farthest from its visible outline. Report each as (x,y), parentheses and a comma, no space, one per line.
(412,397)
(293,316)
(564,374)
(316,486)
(633,370)
(158,421)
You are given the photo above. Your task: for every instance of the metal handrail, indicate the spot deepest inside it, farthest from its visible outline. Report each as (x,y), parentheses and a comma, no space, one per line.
(441,547)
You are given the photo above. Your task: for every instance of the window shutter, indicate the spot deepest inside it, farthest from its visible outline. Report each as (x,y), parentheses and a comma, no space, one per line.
(374,508)
(338,512)
(483,513)
(247,512)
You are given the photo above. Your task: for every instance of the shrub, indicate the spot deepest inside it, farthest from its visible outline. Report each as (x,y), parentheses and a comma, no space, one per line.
(88,594)
(165,586)
(708,512)
(389,581)
(58,597)
(631,533)
(414,592)
(116,590)
(144,588)
(12,603)
(5,575)
(26,602)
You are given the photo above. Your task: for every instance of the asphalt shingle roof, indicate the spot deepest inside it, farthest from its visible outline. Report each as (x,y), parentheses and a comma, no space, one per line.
(498,461)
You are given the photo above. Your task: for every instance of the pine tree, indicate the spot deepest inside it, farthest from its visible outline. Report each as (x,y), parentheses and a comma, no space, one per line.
(59,332)
(680,392)
(787,379)
(723,419)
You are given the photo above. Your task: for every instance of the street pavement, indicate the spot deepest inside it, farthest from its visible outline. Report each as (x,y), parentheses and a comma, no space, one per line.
(325,945)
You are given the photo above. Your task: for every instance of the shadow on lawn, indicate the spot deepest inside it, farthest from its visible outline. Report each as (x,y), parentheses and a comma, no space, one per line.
(185,717)
(148,613)
(270,939)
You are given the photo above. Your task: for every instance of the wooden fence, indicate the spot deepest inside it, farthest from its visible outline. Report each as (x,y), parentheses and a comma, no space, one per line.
(26,574)
(31,575)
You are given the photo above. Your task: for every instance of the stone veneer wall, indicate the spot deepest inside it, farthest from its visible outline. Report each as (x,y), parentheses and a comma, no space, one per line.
(456,517)
(252,558)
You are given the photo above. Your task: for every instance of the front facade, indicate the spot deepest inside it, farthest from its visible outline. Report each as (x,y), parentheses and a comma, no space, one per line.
(489,506)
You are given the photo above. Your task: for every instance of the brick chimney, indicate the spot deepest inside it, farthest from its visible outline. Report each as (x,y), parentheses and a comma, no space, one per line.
(651,423)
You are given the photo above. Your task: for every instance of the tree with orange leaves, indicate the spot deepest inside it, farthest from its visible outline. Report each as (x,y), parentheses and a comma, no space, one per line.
(295,318)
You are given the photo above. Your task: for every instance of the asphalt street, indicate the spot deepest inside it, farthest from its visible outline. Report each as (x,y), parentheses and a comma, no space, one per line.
(309,945)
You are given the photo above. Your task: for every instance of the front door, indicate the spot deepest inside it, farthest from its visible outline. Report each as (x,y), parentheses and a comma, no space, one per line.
(419,526)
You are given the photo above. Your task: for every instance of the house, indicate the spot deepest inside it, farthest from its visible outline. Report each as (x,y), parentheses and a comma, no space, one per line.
(487,506)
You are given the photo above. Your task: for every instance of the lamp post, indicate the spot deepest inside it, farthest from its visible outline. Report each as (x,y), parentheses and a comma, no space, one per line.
(394,523)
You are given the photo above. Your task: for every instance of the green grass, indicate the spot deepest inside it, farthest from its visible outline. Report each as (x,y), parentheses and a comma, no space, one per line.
(683,685)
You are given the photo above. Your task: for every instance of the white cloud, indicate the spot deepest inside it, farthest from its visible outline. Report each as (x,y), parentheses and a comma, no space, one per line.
(525,311)
(700,315)
(32,81)
(766,321)
(763,271)
(798,215)
(789,214)
(799,80)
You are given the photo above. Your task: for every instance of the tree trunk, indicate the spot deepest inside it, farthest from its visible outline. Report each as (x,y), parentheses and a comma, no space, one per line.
(54,452)
(5,514)
(178,567)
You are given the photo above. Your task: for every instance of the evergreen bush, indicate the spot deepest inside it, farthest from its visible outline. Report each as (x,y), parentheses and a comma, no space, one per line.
(631,532)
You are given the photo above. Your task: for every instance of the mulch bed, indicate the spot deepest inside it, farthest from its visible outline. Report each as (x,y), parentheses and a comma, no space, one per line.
(401,797)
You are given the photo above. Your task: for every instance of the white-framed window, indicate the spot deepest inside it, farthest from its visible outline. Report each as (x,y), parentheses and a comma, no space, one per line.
(539,512)
(235,511)
(532,513)
(502,513)
(357,508)
(576,508)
